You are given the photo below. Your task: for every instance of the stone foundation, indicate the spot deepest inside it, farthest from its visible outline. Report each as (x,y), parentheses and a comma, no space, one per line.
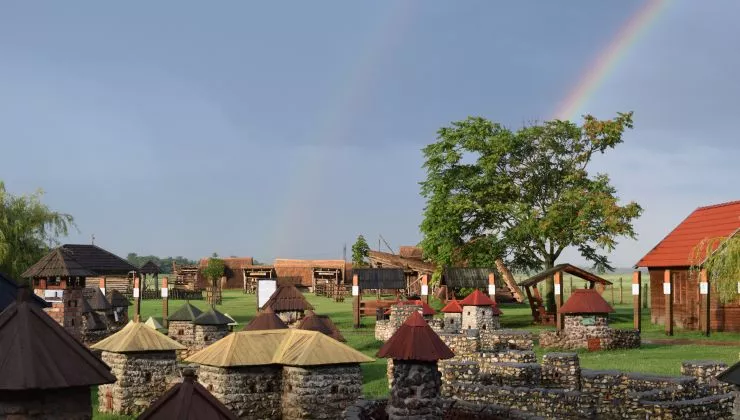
(598,336)
(461,343)
(58,404)
(416,391)
(205,335)
(321,392)
(141,379)
(561,370)
(249,392)
(501,340)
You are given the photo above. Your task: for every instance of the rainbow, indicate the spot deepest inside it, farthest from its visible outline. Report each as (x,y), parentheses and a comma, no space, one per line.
(607,61)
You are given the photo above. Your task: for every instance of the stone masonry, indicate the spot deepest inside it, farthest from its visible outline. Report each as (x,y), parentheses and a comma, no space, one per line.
(576,334)
(252,392)
(321,392)
(416,391)
(141,379)
(205,335)
(57,404)
(452,323)
(480,318)
(399,314)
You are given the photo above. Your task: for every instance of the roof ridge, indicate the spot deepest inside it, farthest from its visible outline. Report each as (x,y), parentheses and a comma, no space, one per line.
(727,203)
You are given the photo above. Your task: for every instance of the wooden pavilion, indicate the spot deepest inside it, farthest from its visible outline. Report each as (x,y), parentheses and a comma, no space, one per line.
(410,261)
(456,278)
(539,313)
(150,269)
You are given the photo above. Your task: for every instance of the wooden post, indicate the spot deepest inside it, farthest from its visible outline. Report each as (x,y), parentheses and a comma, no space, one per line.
(571,285)
(668,293)
(102,285)
(137,301)
(492,286)
(425,288)
(636,301)
(612,287)
(165,302)
(621,292)
(558,300)
(358,299)
(645,296)
(705,302)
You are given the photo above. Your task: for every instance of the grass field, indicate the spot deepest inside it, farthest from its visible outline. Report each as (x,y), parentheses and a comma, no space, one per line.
(652,358)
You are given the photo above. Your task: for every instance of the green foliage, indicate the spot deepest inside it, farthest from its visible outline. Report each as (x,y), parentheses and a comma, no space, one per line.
(28,229)
(360,251)
(722,265)
(164,264)
(214,269)
(523,196)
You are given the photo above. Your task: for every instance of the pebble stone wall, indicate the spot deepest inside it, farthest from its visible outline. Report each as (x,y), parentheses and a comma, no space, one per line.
(501,340)
(321,392)
(416,391)
(452,323)
(575,335)
(141,378)
(249,392)
(205,335)
(56,404)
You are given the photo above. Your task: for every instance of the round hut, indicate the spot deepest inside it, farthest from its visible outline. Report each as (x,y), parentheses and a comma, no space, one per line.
(209,327)
(180,324)
(44,371)
(144,361)
(284,373)
(414,350)
(479,312)
(265,320)
(586,316)
(452,322)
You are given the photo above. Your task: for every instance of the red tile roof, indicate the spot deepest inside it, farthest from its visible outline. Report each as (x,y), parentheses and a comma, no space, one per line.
(415,340)
(477,298)
(452,307)
(586,301)
(677,249)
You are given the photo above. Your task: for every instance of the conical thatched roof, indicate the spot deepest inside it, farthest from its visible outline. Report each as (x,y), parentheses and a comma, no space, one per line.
(153,324)
(290,347)
(265,320)
(211,317)
(322,324)
(186,312)
(37,353)
(287,298)
(58,263)
(415,340)
(188,400)
(97,299)
(137,337)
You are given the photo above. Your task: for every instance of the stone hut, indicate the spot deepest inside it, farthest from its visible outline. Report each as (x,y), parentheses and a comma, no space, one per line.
(265,320)
(452,322)
(586,325)
(210,326)
(144,361)
(44,371)
(320,323)
(288,303)
(282,374)
(480,312)
(187,400)
(415,349)
(180,324)
(93,327)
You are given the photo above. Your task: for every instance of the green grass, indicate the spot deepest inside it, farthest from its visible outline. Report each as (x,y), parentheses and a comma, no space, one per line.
(651,358)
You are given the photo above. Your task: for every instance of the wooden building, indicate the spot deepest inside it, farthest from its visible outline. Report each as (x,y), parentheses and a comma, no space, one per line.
(676,253)
(410,260)
(306,273)
(458,278)
(117,273)
(233,271)
(187,277)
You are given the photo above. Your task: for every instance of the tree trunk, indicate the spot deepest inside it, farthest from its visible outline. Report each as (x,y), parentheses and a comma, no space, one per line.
(509,279)
(549,295)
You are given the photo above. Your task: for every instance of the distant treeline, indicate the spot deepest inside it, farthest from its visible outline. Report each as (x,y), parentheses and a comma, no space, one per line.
(164,264)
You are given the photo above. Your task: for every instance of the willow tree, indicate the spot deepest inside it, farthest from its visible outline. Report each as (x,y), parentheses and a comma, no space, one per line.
(721,258)
(28,229)
(520,198)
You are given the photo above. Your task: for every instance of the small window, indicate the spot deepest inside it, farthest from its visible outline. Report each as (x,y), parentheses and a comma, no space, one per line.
(468,312)
(210,387)
(206,338)
(484,326)
(452,322)
(148,377)
(69,303)
(72,322)
(334,389)
(180,332)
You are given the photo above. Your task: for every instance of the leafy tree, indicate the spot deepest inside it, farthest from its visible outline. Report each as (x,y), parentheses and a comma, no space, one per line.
(164,263)
(722,265)
(360,251)
(213,271)
(495,195)
(28,229)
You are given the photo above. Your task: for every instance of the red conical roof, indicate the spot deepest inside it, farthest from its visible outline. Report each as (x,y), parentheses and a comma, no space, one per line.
(586,301)
(266,320)
(452,307)
(477,298)
(415,340)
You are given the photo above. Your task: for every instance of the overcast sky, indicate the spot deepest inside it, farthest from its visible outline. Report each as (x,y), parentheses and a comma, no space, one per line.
(285,129)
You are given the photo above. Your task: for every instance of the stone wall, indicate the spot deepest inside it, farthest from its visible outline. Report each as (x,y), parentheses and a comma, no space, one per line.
(399,314)
(576,336)
(561,370)
(249,392)
(183,332)
(502,340)
(704,371)
(383,330)
(480,318)
(453,410)
(416,391)
(141,378)
(61,404)
(68,312)
(461,344)
(321,392)
(452,323)
(205,335)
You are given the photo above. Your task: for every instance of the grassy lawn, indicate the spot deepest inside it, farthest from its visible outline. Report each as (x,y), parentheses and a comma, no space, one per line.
(651,358)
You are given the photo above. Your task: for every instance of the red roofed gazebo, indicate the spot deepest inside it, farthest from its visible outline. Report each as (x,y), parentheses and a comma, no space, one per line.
(586,301)
(415,383)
